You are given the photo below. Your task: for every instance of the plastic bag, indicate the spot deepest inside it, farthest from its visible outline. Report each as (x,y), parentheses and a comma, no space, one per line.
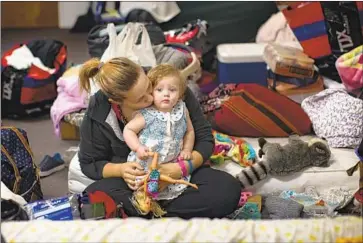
(98,38)
(125,44)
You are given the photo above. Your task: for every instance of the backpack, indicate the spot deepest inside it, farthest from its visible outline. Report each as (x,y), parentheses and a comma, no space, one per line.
(29,74)
(18,171)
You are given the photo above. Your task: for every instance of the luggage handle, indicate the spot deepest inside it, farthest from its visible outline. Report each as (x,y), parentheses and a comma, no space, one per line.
(16,171)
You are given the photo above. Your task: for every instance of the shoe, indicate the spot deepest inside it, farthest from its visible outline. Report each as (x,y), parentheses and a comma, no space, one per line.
(50,165)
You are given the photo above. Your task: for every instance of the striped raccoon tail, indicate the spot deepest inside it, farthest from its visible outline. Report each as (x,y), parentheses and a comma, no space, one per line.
(261,143)
(253,174)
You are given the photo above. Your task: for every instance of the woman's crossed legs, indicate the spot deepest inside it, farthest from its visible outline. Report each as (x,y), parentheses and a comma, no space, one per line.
(217,196)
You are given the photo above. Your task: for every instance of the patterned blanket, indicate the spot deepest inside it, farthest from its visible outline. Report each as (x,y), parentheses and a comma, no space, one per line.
(341,229)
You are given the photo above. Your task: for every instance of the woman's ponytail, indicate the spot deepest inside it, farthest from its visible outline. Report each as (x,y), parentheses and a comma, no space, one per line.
(88,70)
(114,77)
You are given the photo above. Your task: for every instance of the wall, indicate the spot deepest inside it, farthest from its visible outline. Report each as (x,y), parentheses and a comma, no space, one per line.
(68,13)
(35,14)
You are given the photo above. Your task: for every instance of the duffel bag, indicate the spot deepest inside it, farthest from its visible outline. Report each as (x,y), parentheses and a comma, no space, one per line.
(18,170)
(251,110)
(29,74)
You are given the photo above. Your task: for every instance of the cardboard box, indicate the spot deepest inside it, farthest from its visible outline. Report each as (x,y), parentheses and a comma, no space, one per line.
(69,131)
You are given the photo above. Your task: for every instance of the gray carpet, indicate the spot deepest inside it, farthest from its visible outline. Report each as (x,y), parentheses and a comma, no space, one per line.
(40,131)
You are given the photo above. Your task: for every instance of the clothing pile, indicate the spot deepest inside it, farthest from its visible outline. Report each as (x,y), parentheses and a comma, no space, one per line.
(29,72)
(313,67)
(290,204)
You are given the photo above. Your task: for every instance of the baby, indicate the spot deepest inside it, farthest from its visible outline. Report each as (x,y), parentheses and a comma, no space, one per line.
(165,127)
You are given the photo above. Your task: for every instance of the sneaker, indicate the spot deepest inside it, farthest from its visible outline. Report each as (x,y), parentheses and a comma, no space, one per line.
(50,165)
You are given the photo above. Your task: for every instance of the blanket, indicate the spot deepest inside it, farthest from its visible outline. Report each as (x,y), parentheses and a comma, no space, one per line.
(340,229)
(70,99)
(232,148)
(350,69)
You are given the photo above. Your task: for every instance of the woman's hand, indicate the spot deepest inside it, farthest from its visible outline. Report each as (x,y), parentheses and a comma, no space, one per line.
(129,171)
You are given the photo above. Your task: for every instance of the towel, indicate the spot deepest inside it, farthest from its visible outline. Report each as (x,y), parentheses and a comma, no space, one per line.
(232,148)
(350,69)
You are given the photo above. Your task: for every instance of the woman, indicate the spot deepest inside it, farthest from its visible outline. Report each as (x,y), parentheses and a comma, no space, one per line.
(124,89)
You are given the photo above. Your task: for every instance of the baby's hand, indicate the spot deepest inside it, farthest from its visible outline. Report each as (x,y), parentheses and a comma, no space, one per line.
(142,152)
(186,155)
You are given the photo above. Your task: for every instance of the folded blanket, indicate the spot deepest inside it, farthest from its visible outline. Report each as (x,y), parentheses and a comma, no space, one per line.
(350,68)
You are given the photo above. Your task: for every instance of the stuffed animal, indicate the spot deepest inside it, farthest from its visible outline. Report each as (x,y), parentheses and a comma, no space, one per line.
(284,160)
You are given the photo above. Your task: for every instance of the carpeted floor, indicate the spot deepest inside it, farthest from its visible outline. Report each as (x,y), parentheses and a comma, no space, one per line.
(40,131)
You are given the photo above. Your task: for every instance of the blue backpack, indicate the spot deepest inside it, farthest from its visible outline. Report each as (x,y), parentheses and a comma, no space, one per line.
(18,171)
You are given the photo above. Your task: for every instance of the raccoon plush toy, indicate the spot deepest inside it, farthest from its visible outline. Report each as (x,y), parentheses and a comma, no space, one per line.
(285,160)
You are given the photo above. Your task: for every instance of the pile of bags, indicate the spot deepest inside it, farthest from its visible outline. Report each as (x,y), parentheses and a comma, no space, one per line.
(326,51)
